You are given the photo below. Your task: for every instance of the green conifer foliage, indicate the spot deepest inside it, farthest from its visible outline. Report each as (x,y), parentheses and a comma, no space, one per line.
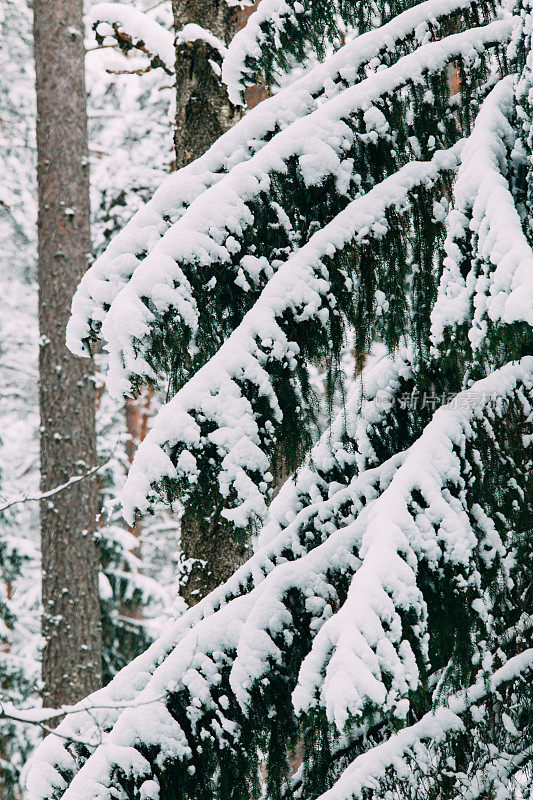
(383,624)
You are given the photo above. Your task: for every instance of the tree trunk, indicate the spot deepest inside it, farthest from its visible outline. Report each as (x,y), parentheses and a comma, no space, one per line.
(210,554)
(137,415)
(70,559)
(203,111)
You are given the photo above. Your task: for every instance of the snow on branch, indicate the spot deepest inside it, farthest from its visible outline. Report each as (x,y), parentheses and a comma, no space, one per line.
(114,268)
(249,47)
(157,311)
(361,657)
(34,498)
(488,270)
(229,409)
(210,691)
(133,29)
(302,515)
(195,33)
(395,753)
(40,716)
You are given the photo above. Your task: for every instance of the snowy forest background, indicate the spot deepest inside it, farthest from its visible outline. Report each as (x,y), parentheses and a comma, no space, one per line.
(339,395)
(131,149)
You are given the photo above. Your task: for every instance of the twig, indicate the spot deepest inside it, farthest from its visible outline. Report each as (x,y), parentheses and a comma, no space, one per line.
(31,498)
(155,5)
(7,711)
(140,71)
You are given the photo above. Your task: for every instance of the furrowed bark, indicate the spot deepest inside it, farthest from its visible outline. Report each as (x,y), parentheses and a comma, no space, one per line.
(203,111)
(70,558)
(210,552)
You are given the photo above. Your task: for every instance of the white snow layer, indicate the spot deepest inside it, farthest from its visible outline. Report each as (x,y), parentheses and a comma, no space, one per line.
(195,33)
(354,648)
(499,285)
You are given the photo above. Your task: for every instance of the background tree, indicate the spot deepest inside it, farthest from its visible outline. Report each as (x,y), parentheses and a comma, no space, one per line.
(19,447)
(130,114)
(71,611)
(129,119)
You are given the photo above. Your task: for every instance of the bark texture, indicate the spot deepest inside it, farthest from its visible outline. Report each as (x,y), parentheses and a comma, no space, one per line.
(210,553)
(70,558)
(203,111)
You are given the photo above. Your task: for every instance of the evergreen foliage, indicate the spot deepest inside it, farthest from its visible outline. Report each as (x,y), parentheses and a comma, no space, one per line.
(384,623)
(282,34)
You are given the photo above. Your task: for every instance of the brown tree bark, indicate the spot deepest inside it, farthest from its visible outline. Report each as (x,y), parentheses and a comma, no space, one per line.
(210,551)
(70,559)
(210,554)
(203,111)
(137,416)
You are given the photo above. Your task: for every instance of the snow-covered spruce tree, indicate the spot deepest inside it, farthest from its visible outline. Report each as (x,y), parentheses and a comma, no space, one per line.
(277,241)
(385,619)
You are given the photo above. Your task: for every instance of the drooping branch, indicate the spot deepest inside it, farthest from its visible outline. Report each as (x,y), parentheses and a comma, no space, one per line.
(201,429)
(486,285)
(113,270)
(434,726)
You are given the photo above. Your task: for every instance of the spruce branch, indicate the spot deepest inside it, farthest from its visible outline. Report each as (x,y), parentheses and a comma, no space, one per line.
(433,727)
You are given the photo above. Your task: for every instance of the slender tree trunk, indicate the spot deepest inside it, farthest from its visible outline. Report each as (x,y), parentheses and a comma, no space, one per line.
(210,553)
(71,611)
(137,415)
(209,549)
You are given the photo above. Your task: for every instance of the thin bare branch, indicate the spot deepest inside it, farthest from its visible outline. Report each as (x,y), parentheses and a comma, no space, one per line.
(31,498)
